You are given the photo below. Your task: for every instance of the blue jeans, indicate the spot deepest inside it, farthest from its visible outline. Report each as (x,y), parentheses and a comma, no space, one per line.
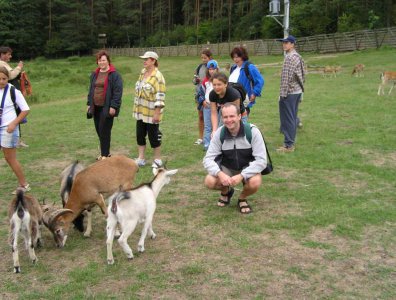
(288,108)
(207,127)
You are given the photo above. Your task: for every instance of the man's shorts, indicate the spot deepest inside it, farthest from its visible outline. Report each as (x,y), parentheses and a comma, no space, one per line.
(229,172)
(9,140)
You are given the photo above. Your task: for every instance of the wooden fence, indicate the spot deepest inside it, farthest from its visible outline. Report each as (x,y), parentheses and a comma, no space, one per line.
(323,43)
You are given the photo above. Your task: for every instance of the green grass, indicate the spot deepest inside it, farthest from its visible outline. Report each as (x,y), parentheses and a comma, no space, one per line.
(323,224)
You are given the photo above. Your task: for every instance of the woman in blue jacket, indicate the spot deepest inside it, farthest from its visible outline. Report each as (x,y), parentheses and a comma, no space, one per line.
(104,100)
(247,75)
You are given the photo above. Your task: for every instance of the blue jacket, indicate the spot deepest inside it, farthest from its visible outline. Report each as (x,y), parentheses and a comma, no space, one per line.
(251,88)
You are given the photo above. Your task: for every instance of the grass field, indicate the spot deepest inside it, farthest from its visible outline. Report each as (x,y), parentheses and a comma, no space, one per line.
(324,222)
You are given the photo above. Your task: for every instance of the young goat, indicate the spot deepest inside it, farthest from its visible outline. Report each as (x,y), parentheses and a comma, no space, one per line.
(24,213)
(130,207)
(101,178)
(386,77)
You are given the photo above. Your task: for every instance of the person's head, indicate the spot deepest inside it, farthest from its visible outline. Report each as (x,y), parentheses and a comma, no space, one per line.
(288,43)
(212,67)
(220,82)
(231,116)
(4,75)
(150,59)
(103,59)
(239,55)
(206,55)
(5,53)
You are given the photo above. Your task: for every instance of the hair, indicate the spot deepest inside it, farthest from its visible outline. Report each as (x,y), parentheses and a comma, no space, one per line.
(208,74)
(156,64)
(241,52)
(5,71)
(220,76)
(5,49)
(230,104)
(207,52)
(101,53)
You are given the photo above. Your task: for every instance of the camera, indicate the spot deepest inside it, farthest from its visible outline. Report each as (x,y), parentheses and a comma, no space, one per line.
(196,80)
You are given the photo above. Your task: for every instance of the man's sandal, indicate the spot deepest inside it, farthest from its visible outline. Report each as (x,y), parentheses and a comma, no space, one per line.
(228,195)
(244,206)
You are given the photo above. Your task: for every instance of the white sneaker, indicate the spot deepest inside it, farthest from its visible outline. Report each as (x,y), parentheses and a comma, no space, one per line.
(198,142)
(24,189)
(157,163)
(140,161)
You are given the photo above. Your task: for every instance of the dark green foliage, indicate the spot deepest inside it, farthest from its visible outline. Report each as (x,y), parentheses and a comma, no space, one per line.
(61,28)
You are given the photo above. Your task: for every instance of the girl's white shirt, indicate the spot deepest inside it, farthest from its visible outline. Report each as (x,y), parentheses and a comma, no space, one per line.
(235,75)
(208,89)
(9,113)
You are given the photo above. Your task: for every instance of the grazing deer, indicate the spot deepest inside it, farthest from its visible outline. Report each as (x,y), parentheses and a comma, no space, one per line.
(358,70)
(332,70)
(386,77)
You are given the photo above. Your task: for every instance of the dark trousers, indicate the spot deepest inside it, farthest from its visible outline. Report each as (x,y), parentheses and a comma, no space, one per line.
(103,126)
(153,132)
(288,108)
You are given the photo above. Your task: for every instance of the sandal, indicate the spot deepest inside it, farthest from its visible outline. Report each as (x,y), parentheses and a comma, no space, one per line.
(228,195)
(244,206)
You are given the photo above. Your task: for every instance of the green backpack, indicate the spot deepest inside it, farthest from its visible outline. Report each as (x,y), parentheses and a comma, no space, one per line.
(248,133)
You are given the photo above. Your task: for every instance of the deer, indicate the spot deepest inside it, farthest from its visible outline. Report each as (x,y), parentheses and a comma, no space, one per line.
(358,70)
(387,77)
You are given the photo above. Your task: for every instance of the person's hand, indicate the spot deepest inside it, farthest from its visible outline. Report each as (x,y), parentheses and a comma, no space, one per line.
(252,98)
(156,117)
(11,127)
(225,180)
(236,179)
(112,111)
(20,65)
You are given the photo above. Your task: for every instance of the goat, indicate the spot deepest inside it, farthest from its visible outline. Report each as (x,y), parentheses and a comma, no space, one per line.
(130,207)
(24,214)
(101,178)
(386,77)
(66,183)
(358,70)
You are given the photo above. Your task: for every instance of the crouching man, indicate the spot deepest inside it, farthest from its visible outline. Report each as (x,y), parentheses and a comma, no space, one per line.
(234,156)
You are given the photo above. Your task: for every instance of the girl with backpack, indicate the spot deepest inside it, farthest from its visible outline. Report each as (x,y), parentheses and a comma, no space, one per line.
(9,126)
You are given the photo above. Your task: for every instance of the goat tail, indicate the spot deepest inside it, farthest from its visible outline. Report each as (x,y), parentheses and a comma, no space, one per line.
(118,197)
(19,204)
(69,181)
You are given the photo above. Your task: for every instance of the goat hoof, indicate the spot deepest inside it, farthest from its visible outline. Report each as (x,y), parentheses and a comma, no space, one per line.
(130,258)
(110,261)
(153,236)
(34,261)
(17,270)
(141,249)
(87,235)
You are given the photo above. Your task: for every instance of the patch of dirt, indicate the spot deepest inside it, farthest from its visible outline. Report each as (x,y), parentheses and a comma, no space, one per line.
(380,159)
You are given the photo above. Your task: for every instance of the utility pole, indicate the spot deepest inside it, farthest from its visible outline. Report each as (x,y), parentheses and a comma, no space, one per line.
(275,12)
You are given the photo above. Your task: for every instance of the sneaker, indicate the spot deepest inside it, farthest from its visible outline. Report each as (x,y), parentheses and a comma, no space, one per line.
(21,144)
(198,142)
(24,189)
(157,163)
(140,161)
(285,149)
(300,125)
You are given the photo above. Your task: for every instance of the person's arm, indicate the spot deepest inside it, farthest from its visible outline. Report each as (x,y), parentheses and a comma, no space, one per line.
(258,82)
(159,97)
(116,94)
(214,116)
(23,106)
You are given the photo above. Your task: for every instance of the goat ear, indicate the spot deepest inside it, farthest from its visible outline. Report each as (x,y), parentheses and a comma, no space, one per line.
(171,172)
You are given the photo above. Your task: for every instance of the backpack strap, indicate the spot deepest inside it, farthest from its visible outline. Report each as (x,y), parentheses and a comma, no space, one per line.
(13,98)
(247,127)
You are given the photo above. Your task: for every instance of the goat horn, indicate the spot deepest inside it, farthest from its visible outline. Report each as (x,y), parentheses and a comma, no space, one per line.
(50,217)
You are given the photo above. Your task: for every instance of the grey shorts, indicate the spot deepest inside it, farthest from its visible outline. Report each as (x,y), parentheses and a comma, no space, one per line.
(229,172)
(9,140)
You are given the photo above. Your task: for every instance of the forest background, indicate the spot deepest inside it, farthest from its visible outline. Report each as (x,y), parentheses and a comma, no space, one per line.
(58,28)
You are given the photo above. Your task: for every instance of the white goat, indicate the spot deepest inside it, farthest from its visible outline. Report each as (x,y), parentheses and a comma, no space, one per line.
(133,206)
(24,213)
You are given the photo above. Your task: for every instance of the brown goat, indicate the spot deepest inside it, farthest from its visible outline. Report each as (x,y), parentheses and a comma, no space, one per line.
(89,188)
(24,214)
(387,77)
